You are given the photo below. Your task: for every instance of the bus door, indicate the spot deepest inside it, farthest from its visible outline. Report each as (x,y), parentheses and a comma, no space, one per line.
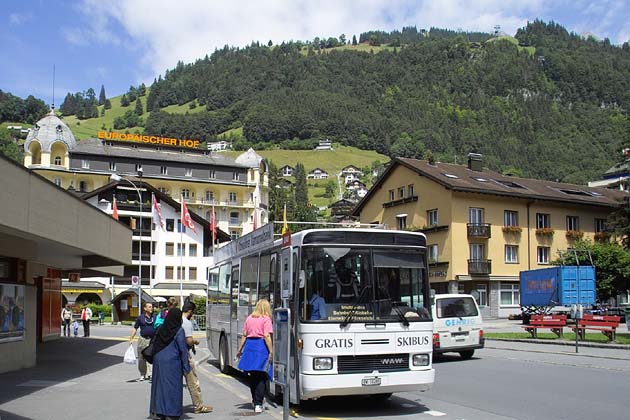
(288,278)
(235,328)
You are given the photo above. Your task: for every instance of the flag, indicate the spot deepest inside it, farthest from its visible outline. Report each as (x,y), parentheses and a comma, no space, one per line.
(156,212)
(114,210)
(285,227)
(213,225)
(186,219)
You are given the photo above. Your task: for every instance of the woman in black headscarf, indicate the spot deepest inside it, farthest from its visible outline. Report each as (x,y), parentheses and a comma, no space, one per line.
(170,363)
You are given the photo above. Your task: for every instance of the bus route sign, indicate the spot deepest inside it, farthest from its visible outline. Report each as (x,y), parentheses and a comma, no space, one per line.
(281,340)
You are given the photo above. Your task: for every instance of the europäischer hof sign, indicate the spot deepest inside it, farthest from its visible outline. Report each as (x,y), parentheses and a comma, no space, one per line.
(154,140)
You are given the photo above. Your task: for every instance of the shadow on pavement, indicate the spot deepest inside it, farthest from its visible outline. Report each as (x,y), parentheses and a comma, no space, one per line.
(58,362)
(362,406)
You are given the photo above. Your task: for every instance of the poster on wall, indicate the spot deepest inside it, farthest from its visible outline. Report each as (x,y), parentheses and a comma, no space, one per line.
(11,312)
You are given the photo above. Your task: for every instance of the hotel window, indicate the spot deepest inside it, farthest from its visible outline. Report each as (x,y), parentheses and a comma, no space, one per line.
(510,218)
(432,217)
(163,170)
(543,220)
(401,192)
(432,253)
(192,250)
(180,228)
(232,197)
(213,174)
(510,294)
(180,273)
(475,215)
(186,193)
(181,250)
(511,254)
(401,221)
(410,191)
(483,294)
(477,252)
(391,195)
(57,181)
(138,167)
(543,255)
(170,248)
(57,160)
(234,176)
(112,166)
(170,225)
(573,223)
(600,225)
(209,196)
(234,235)
(168,273)
(188,172)
(153,247)
(192,273)
(85,164)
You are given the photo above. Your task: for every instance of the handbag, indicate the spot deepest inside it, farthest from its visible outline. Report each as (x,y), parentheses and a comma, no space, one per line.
(147,352)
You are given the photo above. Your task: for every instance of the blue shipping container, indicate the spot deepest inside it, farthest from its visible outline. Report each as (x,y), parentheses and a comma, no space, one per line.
(558,286)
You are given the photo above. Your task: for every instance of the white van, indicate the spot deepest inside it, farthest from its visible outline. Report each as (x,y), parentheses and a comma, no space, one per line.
(457,325)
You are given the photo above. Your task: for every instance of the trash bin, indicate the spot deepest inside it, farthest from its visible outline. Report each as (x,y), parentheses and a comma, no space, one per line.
(627,317)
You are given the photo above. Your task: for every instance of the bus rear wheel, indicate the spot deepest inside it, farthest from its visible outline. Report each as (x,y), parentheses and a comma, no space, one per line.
(224,365)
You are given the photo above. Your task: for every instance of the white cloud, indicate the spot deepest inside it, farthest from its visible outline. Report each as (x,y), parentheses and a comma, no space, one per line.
(18,19)
(165,31)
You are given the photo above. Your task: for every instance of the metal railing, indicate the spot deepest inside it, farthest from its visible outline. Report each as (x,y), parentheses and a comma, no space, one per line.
(479,266)
(200,321)
(478,230)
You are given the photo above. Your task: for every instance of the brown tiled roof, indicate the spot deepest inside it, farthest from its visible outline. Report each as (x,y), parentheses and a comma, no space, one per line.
(460,178)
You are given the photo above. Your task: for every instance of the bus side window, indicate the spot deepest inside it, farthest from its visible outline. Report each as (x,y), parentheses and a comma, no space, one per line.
(264,290)
(249,272)
(234,301)
(213,285)
(224,284)
(274,281)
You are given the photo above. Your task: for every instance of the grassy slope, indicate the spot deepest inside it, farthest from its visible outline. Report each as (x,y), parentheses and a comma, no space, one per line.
(530,50)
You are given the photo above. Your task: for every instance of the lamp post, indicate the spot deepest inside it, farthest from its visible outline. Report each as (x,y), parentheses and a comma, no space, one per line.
(118,178)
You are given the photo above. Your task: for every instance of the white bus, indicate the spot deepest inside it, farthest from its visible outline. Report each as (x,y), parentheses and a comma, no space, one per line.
(374,335)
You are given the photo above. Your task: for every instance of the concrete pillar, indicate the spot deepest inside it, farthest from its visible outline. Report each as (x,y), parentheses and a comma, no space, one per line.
(494,299)
(453,286)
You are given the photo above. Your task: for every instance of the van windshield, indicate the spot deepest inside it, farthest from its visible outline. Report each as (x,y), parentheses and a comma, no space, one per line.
(456,307)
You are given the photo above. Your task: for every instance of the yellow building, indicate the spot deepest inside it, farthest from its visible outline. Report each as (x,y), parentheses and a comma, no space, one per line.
(483,227)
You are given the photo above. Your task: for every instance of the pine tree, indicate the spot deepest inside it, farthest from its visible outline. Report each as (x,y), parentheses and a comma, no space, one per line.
(354,40)
(101,96)
(124,101)
(108,104)
(139,110)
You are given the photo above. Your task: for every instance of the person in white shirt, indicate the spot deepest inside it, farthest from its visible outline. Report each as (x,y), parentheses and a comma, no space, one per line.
(66,317)
(86,315)
(192,380)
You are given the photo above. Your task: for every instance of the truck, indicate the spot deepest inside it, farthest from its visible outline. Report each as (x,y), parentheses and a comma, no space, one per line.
(555,289)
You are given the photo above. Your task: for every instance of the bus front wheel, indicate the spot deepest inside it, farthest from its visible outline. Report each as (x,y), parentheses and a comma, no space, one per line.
(224,365)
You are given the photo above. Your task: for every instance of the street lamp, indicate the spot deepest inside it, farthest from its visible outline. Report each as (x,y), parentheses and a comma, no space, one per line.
(118,178)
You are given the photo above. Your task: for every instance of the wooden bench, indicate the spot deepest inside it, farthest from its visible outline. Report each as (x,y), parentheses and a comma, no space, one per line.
(607,324)
(554,322)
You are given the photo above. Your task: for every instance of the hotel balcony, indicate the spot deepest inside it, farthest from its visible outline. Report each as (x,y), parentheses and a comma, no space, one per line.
(479,267)
(479,230)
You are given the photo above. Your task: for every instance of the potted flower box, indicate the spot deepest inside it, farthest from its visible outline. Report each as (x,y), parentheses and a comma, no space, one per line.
(512,229)
(573,235)
(545,231)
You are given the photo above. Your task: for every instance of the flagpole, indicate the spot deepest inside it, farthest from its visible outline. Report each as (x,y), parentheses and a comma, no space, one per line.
(151,249)
(181,254)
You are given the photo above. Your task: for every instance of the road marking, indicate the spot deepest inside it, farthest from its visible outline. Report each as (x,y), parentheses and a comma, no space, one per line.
(97,337)
(44,384)
(435,413)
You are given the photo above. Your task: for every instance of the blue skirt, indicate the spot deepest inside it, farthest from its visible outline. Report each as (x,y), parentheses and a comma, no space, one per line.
(255,355)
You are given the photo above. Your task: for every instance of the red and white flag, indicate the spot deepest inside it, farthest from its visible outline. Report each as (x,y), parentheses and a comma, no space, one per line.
(213,225)
(114,210)
(186,219)
(157,213)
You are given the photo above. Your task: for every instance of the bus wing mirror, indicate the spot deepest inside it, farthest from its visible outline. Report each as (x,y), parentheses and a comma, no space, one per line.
(302,279)
(432,297)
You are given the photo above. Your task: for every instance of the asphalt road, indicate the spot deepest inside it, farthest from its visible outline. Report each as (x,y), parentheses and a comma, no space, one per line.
(503,381)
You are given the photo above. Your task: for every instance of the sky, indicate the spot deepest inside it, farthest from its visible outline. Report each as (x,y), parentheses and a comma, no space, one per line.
(118,43)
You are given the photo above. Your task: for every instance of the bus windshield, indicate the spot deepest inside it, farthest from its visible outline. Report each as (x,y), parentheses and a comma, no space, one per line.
(344,284)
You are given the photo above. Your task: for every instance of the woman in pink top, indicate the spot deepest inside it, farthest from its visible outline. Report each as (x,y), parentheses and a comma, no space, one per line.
(255,351)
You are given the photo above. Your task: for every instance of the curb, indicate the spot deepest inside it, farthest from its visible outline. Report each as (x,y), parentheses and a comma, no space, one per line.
(563,343)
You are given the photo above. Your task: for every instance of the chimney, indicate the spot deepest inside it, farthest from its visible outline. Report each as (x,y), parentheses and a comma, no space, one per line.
(475,162)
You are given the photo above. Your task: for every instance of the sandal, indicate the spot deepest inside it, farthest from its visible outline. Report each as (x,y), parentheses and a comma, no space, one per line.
(203,409)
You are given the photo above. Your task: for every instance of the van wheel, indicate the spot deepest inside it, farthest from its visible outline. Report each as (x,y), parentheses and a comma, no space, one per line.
(468,354)
(224,365)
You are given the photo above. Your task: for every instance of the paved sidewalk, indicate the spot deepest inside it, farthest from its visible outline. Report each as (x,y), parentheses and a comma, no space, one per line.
(84,378)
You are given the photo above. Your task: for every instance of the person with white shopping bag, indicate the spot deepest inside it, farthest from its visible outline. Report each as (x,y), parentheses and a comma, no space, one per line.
(130,356)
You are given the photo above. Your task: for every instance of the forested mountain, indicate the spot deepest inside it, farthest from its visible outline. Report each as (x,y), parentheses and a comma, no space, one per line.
(552,105)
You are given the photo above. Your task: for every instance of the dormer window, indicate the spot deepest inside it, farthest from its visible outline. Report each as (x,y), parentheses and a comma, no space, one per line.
(57,160)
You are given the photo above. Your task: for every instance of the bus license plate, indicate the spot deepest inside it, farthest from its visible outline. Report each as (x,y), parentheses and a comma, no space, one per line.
(376,381)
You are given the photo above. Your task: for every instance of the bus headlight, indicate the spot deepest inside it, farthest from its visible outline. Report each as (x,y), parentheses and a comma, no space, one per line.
(421,360)
(322,363)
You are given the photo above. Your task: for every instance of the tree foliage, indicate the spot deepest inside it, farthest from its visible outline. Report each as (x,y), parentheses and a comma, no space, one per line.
(15,109)
(9,147)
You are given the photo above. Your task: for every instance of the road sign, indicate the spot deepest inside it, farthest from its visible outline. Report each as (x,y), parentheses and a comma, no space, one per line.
(135,281)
